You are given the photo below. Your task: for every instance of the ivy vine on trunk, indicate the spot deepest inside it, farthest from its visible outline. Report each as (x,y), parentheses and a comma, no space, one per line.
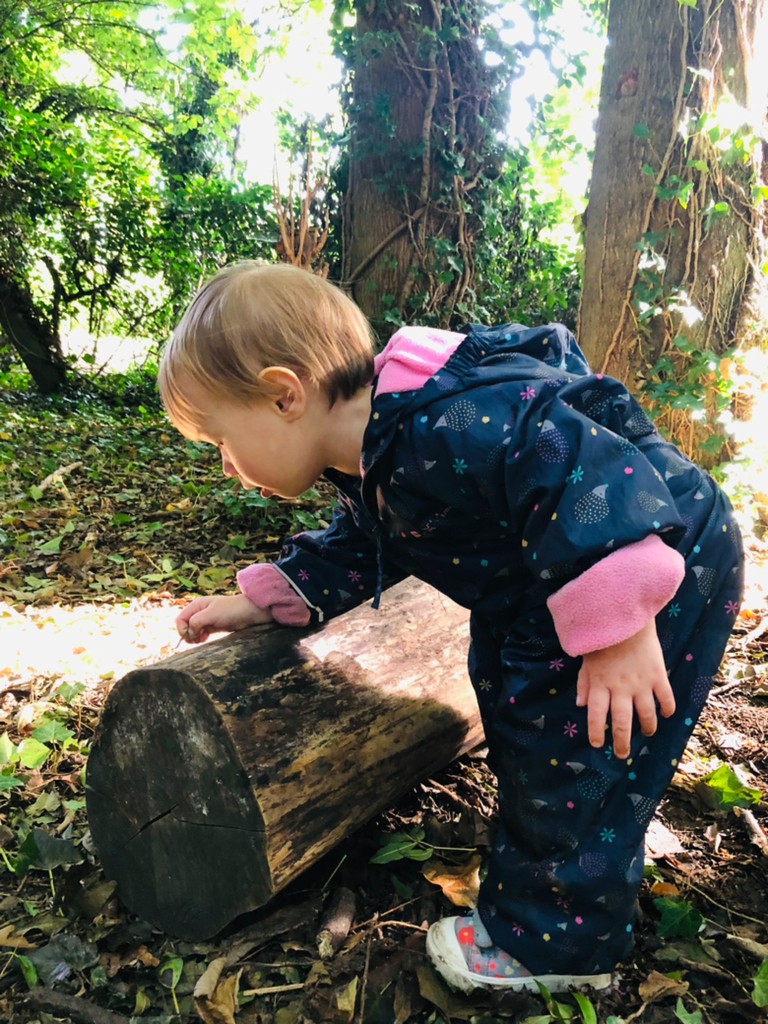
(425,113)
(676,227)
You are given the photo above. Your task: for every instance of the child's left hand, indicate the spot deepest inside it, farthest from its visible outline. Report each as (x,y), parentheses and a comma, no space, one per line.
(630,676)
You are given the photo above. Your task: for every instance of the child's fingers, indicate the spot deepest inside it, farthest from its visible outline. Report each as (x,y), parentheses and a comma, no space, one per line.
(645,706)
(582,688)
(597,715)
(199,627)
(622,710)
(666,698)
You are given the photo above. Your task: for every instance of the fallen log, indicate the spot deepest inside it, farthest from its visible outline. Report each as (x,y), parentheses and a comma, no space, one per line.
(220,774)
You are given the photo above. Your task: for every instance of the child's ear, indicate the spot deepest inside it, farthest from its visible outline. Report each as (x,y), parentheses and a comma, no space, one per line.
(287,393)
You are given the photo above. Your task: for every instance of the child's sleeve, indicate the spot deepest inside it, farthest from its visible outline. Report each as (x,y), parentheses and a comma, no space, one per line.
(320,573)
(617,596)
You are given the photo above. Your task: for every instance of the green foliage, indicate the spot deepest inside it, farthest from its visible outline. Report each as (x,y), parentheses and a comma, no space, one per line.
(121,184)
(403,846)
(494,249)
(523,273)
(760,985)
(111,439)
(49,741)
(678,918)
(687,1017)
(726,790)
(563,1013)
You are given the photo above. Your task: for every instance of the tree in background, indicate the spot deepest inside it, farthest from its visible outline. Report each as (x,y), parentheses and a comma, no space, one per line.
(443,222)
(675,228)
(425,115)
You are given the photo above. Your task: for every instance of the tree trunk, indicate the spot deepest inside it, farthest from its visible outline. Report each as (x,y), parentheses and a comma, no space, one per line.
(423,112)
(673,230)
(37,345)
(220,774)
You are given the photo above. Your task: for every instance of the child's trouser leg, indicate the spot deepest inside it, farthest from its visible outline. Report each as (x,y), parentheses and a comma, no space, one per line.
(567,859)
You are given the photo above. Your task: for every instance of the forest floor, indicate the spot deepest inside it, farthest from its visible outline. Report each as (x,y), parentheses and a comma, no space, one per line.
(108,521)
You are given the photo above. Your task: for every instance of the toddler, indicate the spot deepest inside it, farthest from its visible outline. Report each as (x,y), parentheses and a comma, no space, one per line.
(602,568)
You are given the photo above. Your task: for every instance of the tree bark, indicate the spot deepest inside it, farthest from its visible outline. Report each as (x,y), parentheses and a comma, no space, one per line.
(658,247)
(36,344)
(219,775)
(423,111)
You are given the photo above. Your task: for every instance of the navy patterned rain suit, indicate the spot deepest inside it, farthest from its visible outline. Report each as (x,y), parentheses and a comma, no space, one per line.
(509,473)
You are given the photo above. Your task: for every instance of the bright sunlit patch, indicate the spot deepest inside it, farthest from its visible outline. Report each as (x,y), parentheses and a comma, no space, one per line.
(90,644)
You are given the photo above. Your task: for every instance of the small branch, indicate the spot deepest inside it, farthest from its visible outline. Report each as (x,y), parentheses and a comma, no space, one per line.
(56,476)
(271,990)
(62,1005)
(393,234)
(756,831)
(336,923)
(361,1011)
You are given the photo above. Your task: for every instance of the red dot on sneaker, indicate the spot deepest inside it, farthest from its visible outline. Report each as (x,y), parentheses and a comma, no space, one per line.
(467,936)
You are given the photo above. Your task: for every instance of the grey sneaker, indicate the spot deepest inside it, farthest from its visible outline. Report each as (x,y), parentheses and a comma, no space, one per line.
(464,954)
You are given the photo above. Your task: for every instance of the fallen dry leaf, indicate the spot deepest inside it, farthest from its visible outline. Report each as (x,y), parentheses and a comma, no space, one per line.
(216,997)
(11,940)
(346,999)
(661,843)
(658,986)
(664,889)
(460,882)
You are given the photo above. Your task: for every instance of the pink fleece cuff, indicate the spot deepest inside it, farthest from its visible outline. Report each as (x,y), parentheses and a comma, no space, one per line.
(617,596)
(413,355)
(268,588)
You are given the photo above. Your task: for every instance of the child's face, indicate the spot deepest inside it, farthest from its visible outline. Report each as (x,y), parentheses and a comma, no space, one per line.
(260,446)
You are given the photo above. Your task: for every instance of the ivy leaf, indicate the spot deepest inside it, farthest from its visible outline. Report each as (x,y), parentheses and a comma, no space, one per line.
(7,749)
(51,730)
(687,1018)
(723,789)
(760,990)
(213,578)
(42,850)
(678,918)
(403,846)
(63,955)
(33,753)
(8,782)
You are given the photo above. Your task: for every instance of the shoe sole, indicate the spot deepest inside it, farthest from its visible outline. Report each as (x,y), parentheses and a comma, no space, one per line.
(460,978)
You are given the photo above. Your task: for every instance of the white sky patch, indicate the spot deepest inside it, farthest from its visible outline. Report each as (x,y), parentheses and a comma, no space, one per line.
(306,82)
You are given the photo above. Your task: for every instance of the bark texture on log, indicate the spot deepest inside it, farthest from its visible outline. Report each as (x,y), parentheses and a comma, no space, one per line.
(220,774)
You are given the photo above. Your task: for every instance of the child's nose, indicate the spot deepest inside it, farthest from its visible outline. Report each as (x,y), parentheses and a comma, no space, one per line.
(226,466)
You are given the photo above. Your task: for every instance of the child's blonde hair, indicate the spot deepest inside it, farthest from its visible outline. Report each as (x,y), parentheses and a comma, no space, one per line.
(251,315)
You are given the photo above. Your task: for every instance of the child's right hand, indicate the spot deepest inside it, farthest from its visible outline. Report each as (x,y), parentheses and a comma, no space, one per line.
(219,614)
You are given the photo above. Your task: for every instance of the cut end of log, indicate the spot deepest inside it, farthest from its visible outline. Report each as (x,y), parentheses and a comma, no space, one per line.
(188,821)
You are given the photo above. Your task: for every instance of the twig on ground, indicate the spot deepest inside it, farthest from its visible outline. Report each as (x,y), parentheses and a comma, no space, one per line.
(56,477)
(336,922)
(756,831)
(79,1010)
(361,1010)
(445,790)
(270,990)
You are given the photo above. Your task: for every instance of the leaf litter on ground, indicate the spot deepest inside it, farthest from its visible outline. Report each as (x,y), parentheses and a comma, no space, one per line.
(109,523)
